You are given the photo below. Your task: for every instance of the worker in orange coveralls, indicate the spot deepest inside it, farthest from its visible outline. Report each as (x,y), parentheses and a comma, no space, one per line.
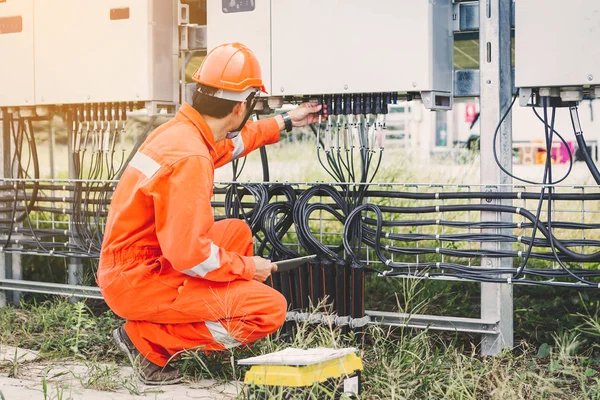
(180,279)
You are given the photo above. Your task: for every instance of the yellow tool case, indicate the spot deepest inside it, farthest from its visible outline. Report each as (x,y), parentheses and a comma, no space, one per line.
(320,373)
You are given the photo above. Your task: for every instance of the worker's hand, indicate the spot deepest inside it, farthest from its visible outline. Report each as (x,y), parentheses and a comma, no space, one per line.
(264,268)
(306,114)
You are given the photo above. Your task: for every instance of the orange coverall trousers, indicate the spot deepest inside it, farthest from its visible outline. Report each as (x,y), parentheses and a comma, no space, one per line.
(163,306)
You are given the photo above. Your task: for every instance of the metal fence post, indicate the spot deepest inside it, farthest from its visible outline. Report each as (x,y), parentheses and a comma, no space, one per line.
(75,265)
(5,266)
(496,95)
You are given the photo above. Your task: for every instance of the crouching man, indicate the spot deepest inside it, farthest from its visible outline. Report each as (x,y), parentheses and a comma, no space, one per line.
(180,279)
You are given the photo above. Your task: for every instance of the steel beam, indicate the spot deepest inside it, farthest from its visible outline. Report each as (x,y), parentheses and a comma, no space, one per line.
(435,322)
(496,95)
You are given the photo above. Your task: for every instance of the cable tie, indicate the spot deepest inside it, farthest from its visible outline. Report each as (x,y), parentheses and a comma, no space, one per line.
(519,195)
(437,237)
(437,250)
(518,210)
(64,210)
(438,264)
(51,252)
(2,249)
(437,221)
(519,239)
(426,275)
(520,253)
(387,235)
(437,196)
(386,272)
(387,247)
(509,280)
(519,225)
(437,208)
(599,286)
(388,262)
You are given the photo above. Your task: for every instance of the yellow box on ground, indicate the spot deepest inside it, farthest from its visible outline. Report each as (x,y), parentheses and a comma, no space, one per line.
(331,372)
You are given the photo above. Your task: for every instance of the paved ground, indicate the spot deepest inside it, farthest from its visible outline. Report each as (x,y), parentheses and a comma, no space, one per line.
(34,379)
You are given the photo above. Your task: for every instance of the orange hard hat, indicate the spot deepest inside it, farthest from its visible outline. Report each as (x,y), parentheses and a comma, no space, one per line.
(231,68)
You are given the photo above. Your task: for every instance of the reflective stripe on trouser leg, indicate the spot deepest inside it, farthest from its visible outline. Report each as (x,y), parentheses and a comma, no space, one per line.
(221,335)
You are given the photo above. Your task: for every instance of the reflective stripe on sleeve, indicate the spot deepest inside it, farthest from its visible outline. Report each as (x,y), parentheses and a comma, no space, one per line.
(220,334)
(144,164)
(238,148)
(210,264)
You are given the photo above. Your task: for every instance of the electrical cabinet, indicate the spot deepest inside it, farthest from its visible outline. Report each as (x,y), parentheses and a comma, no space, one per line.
(76,51)
(557,43)
(16,53)
(342,46)
(105,51)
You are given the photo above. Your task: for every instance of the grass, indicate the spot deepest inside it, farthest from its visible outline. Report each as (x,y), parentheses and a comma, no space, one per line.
(399,363)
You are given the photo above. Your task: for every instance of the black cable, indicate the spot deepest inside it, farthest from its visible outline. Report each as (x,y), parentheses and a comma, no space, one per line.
(582,144)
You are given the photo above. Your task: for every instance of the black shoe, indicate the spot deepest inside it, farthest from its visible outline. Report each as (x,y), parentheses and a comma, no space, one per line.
(147,372)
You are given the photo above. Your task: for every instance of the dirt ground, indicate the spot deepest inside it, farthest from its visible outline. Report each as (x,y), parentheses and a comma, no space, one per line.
(36,379)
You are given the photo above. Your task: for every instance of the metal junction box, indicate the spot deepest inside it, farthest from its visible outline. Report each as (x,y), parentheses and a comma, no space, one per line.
(313,47)
(105,51)
(557,43)
(79,51)
(16,53)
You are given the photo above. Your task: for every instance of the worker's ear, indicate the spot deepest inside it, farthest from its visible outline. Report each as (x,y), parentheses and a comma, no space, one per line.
(240,109)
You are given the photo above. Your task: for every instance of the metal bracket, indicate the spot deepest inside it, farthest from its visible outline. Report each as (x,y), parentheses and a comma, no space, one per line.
(434,322)
(467,83)
(166,108)
(465,16)
(183,13)
(437,100)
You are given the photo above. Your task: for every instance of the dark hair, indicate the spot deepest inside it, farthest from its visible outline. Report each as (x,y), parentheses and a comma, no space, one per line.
(206,104)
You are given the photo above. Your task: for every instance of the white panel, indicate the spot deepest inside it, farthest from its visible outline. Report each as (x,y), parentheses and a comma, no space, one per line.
(16,55)
(84,55)
(354,46)
(557,43)
(252,28)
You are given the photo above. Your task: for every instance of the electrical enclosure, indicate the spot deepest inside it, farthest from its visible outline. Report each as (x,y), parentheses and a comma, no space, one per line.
(105,51)
(557,43)
(74,51)
(16,53)
(342,46)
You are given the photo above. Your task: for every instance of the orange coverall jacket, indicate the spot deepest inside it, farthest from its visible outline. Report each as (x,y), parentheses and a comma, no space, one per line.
(165,265)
